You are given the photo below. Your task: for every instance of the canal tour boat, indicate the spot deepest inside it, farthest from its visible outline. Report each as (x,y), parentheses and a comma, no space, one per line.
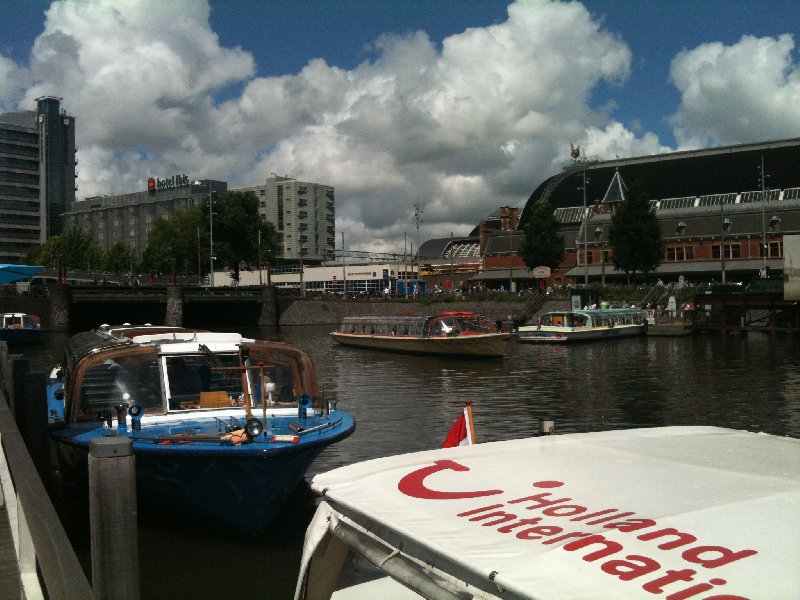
(687,512)
(223,427)
(581,325)
(21,328)
(448,334)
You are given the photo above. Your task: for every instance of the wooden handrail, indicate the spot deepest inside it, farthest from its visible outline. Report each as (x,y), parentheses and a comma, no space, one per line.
(63,575)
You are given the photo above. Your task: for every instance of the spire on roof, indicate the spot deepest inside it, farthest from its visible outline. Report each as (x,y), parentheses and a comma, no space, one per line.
(616,190)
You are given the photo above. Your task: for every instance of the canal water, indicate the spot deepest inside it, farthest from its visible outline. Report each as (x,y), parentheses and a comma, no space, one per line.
(404,404)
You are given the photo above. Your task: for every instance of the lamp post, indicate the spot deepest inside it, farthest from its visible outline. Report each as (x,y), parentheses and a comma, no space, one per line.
(510,262)
(302,284)
(260,280)
(211,236)
(576,154)
(763,220)
(58,258)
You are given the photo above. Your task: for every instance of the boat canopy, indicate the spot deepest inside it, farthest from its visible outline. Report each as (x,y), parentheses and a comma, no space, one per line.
(12,273)
(618,514)
(413,325)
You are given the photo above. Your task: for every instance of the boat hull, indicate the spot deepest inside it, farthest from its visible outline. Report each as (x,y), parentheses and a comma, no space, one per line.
(562,335)
(21,336)
(238,487)
(490,345)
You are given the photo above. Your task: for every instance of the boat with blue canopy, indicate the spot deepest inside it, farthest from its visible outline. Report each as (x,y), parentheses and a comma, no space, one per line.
(223,427)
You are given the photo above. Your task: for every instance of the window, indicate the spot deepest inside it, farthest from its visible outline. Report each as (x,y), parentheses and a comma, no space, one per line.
(116,222)
(132,233)
(85,226)
(100,236)
(116,234)
(100,225)
(681,253)
(670,253)
(148,219)
(775,249)
(731,251)
(262,193)
(589,258)
(131,221)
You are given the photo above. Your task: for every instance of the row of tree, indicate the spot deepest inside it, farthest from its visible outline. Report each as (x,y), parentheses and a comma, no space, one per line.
(182,240)
(634,236)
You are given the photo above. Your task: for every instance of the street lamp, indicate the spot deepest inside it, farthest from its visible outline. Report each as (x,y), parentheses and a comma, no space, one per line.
(211,235)
(576,153)
(726,226)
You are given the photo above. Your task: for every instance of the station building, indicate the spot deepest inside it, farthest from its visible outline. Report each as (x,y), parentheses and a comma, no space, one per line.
(37,175)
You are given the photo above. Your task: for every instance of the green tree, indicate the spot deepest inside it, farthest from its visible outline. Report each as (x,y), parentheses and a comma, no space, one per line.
(76,248)
(543,245)
(179,238)
(119,258)
(635,234)
(236,231)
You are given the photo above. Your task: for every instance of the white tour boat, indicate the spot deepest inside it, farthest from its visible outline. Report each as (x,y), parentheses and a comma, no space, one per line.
(580,325)
(669,512)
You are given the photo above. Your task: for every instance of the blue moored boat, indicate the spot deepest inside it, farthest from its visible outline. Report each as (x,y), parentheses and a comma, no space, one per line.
(20,328)
(223,427)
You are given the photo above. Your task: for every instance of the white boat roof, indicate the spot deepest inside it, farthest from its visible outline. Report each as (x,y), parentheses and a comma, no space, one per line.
(644,510)
(188,342)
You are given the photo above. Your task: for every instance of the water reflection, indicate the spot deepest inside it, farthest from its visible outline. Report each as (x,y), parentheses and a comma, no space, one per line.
(404,404)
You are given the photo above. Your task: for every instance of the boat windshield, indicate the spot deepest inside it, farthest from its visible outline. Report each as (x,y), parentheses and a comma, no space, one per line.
(462,325)
(193,383)
(131,378)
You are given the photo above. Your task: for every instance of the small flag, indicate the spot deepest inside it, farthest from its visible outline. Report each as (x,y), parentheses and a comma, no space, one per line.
(462,433)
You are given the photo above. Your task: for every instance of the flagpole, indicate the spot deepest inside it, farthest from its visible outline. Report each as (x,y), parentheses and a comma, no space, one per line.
(471,423)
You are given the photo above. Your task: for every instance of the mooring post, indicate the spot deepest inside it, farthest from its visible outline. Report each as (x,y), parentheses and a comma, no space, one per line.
(269,307)
(174,316)
(547,426)
(112,518)
(58,294)
(37,439)
(19,367)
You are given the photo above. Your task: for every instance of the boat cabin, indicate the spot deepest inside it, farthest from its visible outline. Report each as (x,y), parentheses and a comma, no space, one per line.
(448,324)
(180,370)
(20,321)
(612,317)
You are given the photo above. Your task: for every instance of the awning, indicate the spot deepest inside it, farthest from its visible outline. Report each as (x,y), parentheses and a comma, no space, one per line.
(603,515)
(12,273)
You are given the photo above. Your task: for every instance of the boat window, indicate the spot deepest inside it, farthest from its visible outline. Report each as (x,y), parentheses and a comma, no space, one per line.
(132,379)
(402,329)
(475,325)
(191,381)
(579,320)
(546,320)
(443,327)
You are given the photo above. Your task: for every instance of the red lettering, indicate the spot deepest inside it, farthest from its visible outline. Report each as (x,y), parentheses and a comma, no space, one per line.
(536,533)
(629,525)
(413,484)
(564,537)
(520,523)
(693,555)
(696,589)
(683,538)
(539,501)
(565,510)
(502,517)
(655,586)
(611,518)
(610,547)
(629,569)
(595,514)
(479,510)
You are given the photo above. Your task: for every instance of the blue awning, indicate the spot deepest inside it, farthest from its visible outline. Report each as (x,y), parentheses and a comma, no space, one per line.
(12,273)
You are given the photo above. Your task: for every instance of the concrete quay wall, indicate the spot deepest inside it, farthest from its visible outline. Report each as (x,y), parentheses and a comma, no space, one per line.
(324,312)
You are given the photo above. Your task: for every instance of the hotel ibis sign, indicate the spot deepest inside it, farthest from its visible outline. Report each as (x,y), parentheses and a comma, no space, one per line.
(170,183)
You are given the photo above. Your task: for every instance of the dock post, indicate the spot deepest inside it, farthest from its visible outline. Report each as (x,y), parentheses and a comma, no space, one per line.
(547,426)
(59,307)
(37,439)
(112,519)
(269,307)
(19,367)
(174,317)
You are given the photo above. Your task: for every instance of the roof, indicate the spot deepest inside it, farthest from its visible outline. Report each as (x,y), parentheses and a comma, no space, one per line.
(12,273)
(726,169)
(589,515)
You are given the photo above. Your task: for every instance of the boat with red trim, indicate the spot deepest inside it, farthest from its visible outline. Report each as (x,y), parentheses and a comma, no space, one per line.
(454,333)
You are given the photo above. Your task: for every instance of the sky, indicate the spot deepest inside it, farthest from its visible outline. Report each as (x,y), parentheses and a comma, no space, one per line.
(462,106)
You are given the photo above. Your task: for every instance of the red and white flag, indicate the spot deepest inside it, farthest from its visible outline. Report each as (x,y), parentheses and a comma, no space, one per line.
(462,433)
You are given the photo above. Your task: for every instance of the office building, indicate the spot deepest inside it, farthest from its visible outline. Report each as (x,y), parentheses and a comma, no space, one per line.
(303,214)
(37,176)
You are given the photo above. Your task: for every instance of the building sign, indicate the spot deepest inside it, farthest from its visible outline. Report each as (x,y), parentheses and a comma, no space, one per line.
(541,272)
(170,183)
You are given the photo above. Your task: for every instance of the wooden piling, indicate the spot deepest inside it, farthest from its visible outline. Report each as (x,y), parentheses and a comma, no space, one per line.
(19,367)
(112,505)
(37,436)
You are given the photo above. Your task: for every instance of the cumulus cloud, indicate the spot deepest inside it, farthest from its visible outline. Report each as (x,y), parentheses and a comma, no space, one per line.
(746,92)
(462,129)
